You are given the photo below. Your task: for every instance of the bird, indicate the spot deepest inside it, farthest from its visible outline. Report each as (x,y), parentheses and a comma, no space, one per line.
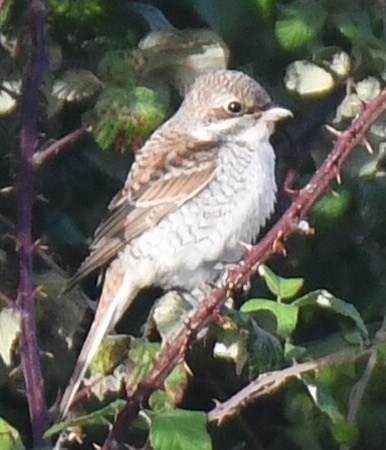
(202,184)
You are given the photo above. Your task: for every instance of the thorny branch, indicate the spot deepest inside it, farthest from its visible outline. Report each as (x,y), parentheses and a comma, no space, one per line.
(271,381)
(272,243)
(25,197)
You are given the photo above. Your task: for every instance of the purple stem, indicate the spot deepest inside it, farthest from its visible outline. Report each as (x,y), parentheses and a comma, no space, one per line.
(29,351)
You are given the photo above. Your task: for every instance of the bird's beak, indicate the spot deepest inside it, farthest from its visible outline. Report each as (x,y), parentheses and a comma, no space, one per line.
(276,113)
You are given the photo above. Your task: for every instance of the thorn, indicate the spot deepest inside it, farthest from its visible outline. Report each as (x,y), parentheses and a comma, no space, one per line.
(289,182)
(75,435)
(363,104)
(290,191)
(42,198)
(39,245)
(217,403)
(332,192)
(338,177)
(217,318)
(48,355)
(366,143)
(187,368)
(7,190)
(247,247)
(333,130)
(278,247)
(39,290)
(15,371)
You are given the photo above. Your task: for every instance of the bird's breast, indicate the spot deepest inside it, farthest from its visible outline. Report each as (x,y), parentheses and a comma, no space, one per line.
(187,244)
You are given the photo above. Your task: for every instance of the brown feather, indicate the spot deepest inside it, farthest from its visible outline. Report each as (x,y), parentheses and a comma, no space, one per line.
(160,180)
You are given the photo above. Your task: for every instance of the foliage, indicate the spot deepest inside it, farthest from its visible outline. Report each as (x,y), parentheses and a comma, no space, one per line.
(329,297)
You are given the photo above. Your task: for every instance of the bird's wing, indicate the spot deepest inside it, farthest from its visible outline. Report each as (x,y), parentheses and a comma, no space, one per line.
(162,178)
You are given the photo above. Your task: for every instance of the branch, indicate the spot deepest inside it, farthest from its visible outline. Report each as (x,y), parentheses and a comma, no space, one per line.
(41,156)
(25,197)
(272,243)
(271,381)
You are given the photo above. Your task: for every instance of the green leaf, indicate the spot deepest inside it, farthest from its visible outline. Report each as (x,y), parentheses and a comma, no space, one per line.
(142,356)
(6,13)
(78,12)
(292,352)
(265,7)
(9,334)
(382,352)
(9,437)
(231,344)
(76,85)
(110,353)
(324,299)
(308,80)
(265,350)
(159,401)
(8,102)
(329,209)
(244,342)
(323,399)
(334,59)
(353,337)
(301,24)
(101,417)
(117,68)
(175,386)
(286,315)
(283,288)
(168,313)
(357,28)
(128,115)
(180,430)
(345,433)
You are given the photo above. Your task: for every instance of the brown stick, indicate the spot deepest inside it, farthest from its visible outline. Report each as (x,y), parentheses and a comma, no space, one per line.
(41,156)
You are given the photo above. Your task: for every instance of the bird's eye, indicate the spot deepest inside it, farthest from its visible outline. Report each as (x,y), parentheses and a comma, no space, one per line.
(234,107)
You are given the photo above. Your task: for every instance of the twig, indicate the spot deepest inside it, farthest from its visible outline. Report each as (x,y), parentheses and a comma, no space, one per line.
(272,243)
(358,390)
(271,381)
(29,352)
(41,156)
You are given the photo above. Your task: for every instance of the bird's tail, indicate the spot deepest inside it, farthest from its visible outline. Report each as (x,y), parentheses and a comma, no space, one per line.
(116,297)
